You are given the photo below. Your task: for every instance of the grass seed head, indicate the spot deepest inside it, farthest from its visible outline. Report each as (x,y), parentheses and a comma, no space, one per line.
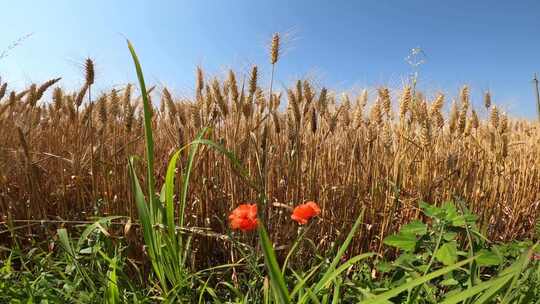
(405,103)
(218,97)
(487,99)
(89,71)
(494,117)
(274,49)
(253,81)
(3,89)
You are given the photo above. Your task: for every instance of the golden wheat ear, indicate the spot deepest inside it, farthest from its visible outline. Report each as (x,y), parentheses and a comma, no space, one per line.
(274,49)
(89,71)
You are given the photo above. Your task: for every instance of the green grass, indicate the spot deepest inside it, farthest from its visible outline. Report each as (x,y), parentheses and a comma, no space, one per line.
(95,268)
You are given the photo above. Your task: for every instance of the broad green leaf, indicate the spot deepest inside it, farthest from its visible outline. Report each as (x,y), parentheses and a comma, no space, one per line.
(447,253)
(455,218)
(488,258)
(449,235)
(384,267)
(403,241)
(458,221)
(470,218)
(415,227)
(406,259)
(431,210)
(452,215)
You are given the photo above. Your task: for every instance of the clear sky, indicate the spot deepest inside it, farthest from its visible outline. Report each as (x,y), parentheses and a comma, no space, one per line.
(491,45)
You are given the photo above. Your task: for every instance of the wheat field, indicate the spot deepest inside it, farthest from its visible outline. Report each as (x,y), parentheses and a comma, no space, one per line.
(63,154)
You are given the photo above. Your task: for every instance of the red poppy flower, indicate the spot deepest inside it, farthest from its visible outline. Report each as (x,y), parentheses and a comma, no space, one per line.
(302,213)
(244,217)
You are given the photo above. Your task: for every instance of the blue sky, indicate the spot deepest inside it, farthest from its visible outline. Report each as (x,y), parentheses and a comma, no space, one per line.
(491,45)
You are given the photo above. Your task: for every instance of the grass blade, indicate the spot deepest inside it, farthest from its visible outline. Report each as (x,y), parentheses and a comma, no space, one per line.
(470,292)
(187,174)
(149,140)
(382,298)
(112,292)
(169,195)
(90,228)
(276,277)
(325,279)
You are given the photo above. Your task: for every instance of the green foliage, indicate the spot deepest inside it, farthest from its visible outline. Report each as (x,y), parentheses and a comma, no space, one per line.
(319,290)
(403,241)
(447,253)
(406,239)
(451,238)
(90,269)
(167,249)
